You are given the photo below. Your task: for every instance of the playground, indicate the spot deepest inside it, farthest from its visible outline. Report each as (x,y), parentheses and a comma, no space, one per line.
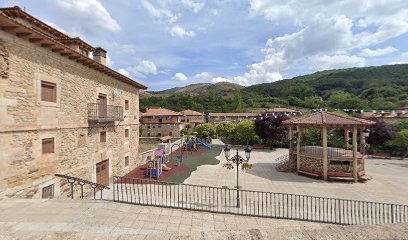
(165,166)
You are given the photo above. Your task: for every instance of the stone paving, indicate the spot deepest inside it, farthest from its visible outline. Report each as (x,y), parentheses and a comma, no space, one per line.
(389,183)
(98,219)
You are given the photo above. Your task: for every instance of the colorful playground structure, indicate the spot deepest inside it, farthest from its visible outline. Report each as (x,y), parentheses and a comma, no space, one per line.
(156,165)
(192,144)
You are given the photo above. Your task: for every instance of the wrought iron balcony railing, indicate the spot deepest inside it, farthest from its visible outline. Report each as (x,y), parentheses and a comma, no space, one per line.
(104,113)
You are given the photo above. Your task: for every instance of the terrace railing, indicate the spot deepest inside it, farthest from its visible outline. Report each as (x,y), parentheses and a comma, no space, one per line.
(256,203)
(104,113)
(81,182)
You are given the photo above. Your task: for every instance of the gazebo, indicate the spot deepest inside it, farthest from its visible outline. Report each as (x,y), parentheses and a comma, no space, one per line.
(324,161)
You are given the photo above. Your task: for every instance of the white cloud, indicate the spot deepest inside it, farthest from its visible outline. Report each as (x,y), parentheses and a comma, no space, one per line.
(402,59)
(181,32)
(179,77)
(325,62)
(195,6)
(109,61)
(88,15)
(124,72)
(220,79)
(160,13)
(377,52)
(203,75)
(144,68)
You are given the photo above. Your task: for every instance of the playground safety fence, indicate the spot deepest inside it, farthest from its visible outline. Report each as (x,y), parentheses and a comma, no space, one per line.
(256,203)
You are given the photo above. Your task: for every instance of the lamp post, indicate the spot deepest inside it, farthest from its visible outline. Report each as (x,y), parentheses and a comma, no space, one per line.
(237,159)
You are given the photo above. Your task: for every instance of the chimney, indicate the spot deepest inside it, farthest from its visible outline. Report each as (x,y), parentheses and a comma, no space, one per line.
(99,55)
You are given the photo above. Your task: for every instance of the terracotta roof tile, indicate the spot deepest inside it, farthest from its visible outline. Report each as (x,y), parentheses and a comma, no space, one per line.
(328,119)
(160,112)
(232,114)
(189,112)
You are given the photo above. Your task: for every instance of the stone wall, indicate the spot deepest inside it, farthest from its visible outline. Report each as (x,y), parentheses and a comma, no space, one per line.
(25,120)
(311,164)
(163,129)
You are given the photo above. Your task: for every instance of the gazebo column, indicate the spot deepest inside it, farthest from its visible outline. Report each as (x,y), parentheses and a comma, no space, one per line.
(355,174)
(299,137)
(345,144)
(290,136)
(325,158)
(362,141)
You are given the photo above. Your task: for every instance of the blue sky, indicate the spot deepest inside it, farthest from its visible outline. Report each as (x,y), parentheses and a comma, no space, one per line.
(171,43)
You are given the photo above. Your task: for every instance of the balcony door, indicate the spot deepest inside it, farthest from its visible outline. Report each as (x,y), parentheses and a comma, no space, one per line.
(102,105)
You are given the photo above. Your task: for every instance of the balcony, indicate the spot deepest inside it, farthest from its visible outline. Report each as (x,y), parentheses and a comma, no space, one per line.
(104,113)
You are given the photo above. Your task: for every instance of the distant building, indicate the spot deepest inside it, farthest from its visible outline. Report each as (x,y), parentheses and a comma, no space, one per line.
(232,117)
(280,111)
(192,118)
(61,111)
(160,122)
(390,117)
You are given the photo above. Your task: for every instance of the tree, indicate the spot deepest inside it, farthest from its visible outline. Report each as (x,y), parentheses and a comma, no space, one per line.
(238,100)
(402,125)
(344,100)
(380,132)
(401,142)
(225,129)
(205,131)
(272,128)
(245,131)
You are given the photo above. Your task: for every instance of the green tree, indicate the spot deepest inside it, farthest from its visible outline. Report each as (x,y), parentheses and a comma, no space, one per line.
(238,100)
(402,125)
(225,129)
(344,100)
(401,142)
(314,102)
(245,131)
(205,130)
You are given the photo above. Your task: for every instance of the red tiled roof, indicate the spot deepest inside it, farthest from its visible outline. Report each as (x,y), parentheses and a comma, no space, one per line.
(232,114)
(328,119)
(189,112)
(280,110)
(39,38)
(160,112)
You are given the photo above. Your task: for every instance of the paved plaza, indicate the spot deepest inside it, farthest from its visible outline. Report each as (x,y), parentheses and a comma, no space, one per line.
(98,219)
(389,183)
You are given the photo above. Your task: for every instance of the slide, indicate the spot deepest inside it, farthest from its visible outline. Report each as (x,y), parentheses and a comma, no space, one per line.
(165,167)
(205,145)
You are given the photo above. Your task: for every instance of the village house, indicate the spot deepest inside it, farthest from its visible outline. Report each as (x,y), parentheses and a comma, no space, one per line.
(390,117)
(61,110)
(160,122)
(191,119)
(280,111)
(231,117)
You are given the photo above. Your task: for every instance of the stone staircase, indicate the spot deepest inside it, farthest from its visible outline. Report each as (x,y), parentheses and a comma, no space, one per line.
(99,219)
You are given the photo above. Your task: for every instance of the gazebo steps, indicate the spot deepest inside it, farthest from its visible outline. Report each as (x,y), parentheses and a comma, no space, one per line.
(310,173)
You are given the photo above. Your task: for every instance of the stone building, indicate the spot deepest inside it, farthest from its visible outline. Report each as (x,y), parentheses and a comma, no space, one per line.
(61,111)
(231,117)
(160,122)
(191,119)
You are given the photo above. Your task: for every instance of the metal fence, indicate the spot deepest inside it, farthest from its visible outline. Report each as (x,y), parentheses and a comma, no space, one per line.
(104,113)
(256,203)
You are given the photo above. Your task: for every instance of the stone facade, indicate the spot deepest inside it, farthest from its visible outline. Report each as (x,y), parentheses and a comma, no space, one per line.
(26,120)
(161,129)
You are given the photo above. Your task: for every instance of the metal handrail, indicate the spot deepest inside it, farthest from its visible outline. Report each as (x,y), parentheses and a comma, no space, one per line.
(256,203)
(71,180)
(104,113)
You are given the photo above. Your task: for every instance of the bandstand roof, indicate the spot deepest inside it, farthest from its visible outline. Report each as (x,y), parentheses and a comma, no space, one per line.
(328,119)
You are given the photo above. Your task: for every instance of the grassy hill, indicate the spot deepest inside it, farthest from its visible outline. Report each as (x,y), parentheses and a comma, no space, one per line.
(383,87)
(200,88)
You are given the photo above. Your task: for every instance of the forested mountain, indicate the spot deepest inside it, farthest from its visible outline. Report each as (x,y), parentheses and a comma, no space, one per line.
(201,88)
(383,87)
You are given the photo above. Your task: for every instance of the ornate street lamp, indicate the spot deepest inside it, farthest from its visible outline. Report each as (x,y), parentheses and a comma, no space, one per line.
(237,160)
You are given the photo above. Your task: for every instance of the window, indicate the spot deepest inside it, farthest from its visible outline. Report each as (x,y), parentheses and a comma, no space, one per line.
(148,126)
(126,104)
(148,134)
(126,161)
(159,126)
(48,145)
(126,133)
(48,192)
(48,92)
(103,137)
(154,126)
(159,134)
(170,133)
